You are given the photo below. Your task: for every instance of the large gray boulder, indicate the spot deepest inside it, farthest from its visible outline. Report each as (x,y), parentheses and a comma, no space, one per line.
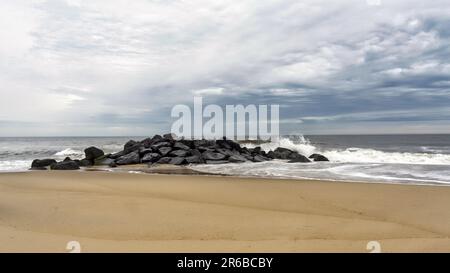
(150,157)
(128,159)
(165,151)
(237,159)
(226,152)
(271,155)
(282,153)
(318,157)
(92,153)
(143,151)
(42,163)
(181,146)
(298,158)
(194,159)
(160,144)
(195,152)
(129,144)
(213,156)
(179,153)
(178,161)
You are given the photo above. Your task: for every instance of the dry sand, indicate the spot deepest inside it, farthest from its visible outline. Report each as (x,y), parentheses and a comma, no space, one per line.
(121,212)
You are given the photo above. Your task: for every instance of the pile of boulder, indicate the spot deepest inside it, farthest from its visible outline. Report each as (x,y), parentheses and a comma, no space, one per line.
(168,149)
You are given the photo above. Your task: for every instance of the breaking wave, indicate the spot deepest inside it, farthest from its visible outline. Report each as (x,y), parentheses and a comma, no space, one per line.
(69,152)
(355,154)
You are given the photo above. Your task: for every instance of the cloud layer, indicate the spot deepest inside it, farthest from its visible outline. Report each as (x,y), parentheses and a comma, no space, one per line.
(102,67)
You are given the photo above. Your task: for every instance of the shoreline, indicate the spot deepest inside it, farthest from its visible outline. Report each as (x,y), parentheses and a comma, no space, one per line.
(130,212)
(166,169)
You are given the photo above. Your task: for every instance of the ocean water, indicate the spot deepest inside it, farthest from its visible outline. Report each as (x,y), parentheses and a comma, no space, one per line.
(414,159)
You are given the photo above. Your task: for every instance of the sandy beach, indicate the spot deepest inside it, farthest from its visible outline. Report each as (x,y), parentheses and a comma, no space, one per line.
(123,212)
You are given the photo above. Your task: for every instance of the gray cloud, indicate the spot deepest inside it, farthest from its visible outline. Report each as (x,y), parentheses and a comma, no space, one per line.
(100,67)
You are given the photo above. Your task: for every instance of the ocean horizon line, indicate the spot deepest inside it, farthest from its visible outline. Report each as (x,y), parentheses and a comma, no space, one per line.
(283,135)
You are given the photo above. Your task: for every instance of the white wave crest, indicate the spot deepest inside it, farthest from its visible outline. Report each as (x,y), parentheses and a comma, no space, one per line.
(303,146)
(15,165)
(69,152)
(357,155)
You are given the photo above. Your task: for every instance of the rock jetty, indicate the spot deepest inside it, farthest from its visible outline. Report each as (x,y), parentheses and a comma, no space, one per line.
(167,149)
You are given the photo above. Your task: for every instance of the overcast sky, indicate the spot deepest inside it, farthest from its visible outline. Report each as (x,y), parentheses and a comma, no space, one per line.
(102,67)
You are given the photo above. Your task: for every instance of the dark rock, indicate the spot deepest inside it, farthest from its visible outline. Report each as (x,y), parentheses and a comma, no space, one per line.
(189,143)
(244,150)
(165,151)
(181,146)
(156,138)
(299,159)
(143,151)
(216,162)
(224,144)
(293,155)
(41,163)
(131,158)
(318,157)
(146,142)
(135,148)
(93,153)
(271,155)
(237,159)
(178,161)
(150,157)
(213,156)
(204,143)
(259,158)
(229,144)
(247,156)
(65,166)
(164,160)
(179,153)
(129,144)
(67,159)
(256,150)
(195,159)
(282,153)
(85,163)
(226,152)
(117,155)
(160,145)
(195,152)
(203,149)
